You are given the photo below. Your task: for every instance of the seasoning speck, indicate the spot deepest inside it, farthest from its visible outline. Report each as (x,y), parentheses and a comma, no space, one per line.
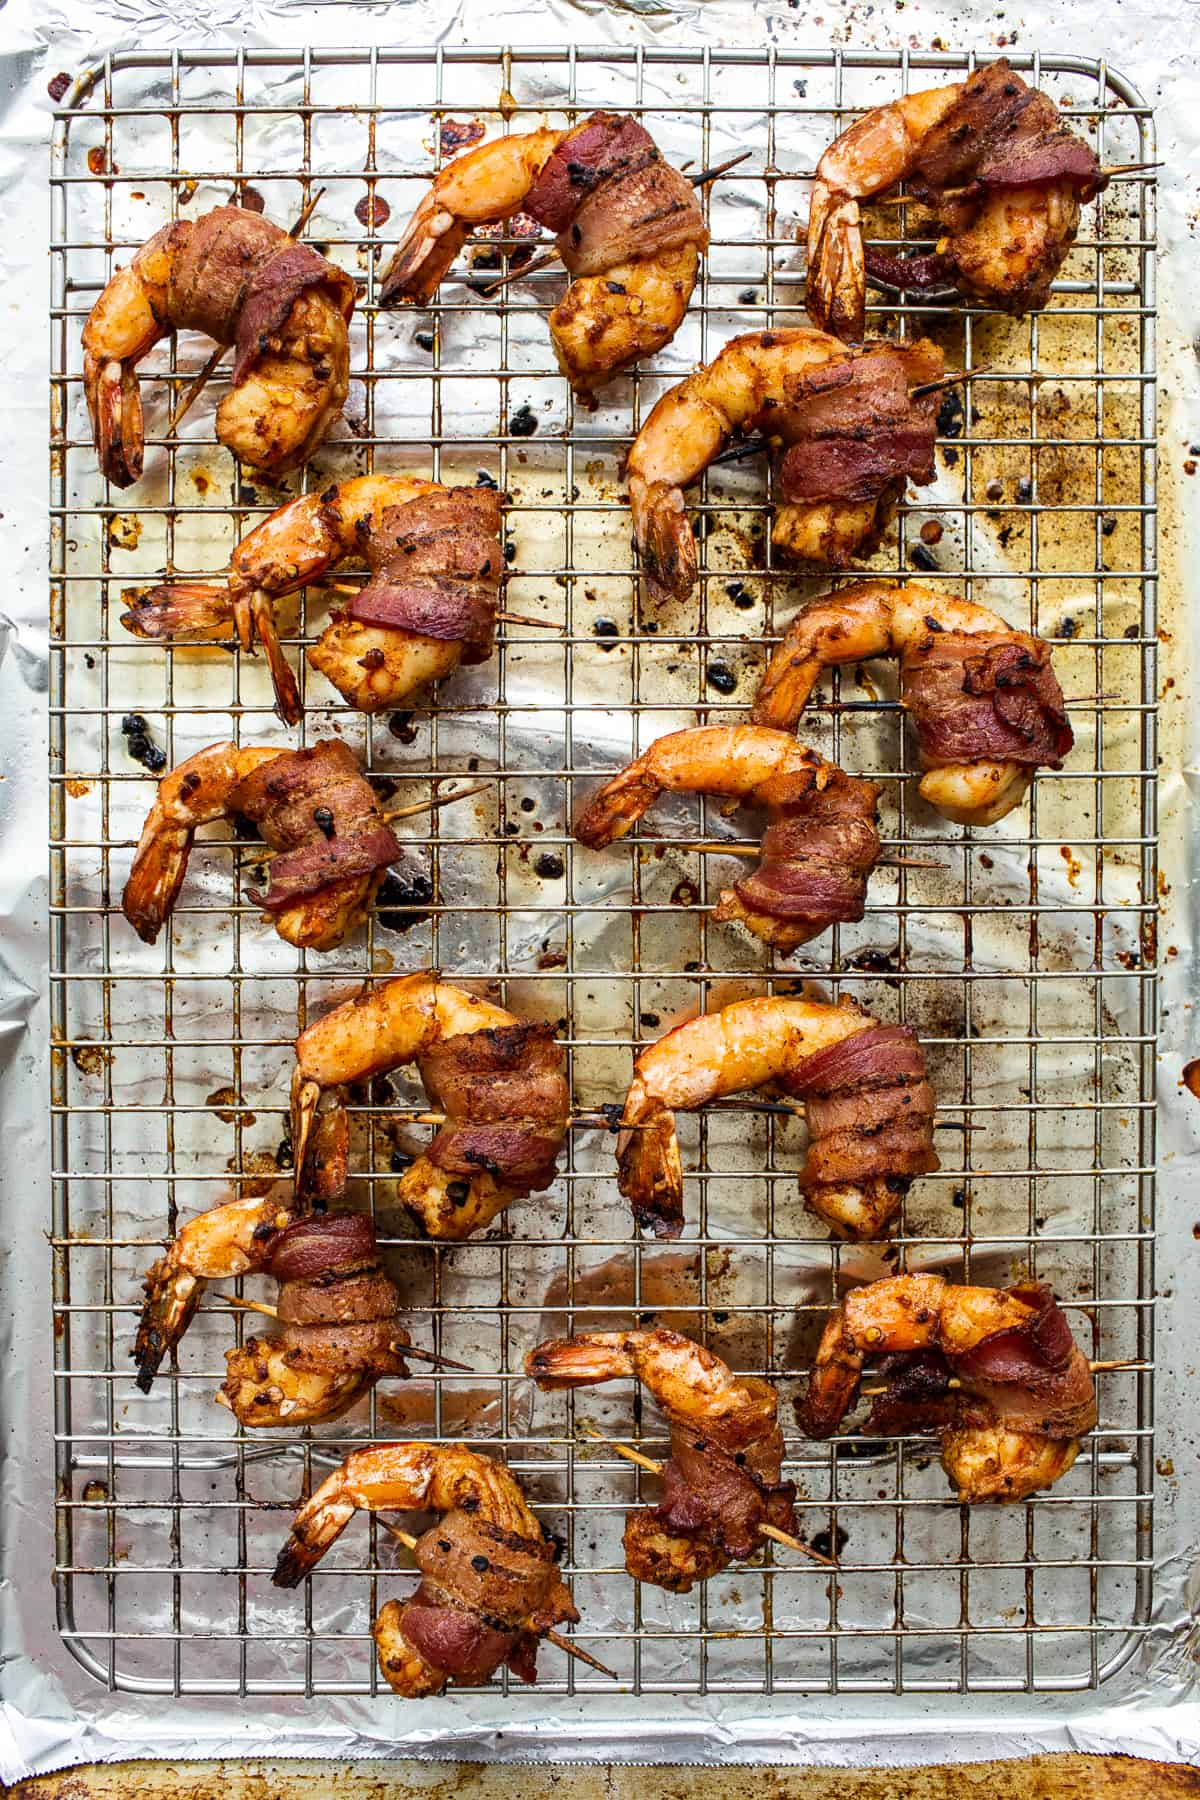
(480,1564)
(399,904)
(457,132)
(141,745)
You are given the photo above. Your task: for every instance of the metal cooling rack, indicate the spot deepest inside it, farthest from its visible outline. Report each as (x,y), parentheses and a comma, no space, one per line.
(1026,961)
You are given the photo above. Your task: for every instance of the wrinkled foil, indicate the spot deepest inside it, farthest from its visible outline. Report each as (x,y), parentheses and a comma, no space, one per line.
(51,1712)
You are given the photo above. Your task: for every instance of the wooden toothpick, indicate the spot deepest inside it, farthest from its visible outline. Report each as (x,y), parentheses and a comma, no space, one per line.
(420,806)
(947,381)
(655,1468)
(399,1349)
(1097,1368)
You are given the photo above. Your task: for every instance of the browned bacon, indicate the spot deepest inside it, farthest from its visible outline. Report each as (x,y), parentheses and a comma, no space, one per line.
(853,429)
(818,849)
(980,697)
(611,199)
(869,1108)
(506,1101)
(318,812)
(437,564)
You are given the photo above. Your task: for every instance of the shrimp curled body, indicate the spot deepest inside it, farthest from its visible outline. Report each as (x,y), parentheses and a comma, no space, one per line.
(500,1081)
(723,1480)
(984,697)
(240,280)
(994,1371)
(489,1587)
(629,230)
(858,1168)
(998,166)
(788,384)
(319,909)
(372,665)
(819,848)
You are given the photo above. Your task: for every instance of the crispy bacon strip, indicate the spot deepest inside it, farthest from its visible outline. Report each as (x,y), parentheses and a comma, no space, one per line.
(437,563)
(318,812)
(817,851)
(977,696)
(870,1111)
(506,1101)
(853,430)
(607,193)
(338,1311)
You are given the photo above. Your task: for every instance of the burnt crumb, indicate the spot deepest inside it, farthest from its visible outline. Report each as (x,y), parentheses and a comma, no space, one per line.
(951,458)
(994,490)
(1132,631)
(720,676)
(739,594)
(399,904)
(284,1156)
(444,1546)
(645,1318)
(455,133)
(950,415)
(720,1318)
(1108,525)
(649,1020)
(510,828)
(1024,491)
(748,297)
(523,422)
(424,340)
(527,805)
(58,84)
(458,1192)
(401,726)
(875,962)
(922,557)
(484,480)
(401,1160)
(549,866)
(801,88)
(323,820)
(141,745)
(685,893)
(510,551)
(959,1199)
(615,287)
(1069,628)
(552,959)
(604,628)
(372,210)
(472,765)
(826,1544)
(480,1564)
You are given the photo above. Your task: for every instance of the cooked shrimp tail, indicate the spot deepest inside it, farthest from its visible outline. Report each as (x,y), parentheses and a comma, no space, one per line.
(178,609)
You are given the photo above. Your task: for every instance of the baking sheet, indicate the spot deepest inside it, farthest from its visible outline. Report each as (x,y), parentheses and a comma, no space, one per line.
(55,1716)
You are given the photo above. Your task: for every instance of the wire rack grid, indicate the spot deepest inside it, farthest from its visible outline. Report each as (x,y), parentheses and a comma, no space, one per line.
(1025,956)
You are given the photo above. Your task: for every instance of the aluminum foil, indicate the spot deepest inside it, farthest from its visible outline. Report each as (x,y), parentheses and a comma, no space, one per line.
(53,1713)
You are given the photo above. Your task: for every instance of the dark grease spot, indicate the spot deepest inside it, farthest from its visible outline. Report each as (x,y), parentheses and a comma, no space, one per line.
(549,866)
(922,557)
(824,1544)
(650,1019)
(684,893)
(720,676)
(423,340)
(141,745)
(523,423)
(401,726)
(398,904)
(950,415)
(372,210)
(604,628)
(739,594)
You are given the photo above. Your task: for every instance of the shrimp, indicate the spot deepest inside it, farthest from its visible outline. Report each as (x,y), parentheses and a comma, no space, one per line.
(856,1172)
(316,907)
(984,697)
(722,1482)
(240,280)
(500,1082)
(629,230)
(1002,173)
(995,1371)
(489,1586)
(373,666)
(780,382)
(819,848)
(229,1240)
